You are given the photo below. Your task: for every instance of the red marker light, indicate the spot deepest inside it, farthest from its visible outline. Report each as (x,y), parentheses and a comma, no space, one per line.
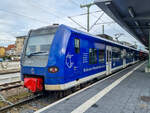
(53,69)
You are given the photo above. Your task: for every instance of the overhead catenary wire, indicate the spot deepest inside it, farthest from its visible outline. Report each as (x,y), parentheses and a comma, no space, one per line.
(41,21)
(75,3)
(111,22)
(26,16)
(18,14)
(97,21)
(77,23)
(86,13)
(42,8)
(72,1)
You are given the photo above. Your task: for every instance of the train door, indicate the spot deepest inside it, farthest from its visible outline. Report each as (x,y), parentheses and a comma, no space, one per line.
(124,58)
(77,57)
(108,59)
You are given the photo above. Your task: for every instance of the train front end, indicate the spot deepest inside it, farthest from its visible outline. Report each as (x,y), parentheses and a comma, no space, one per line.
(35,57)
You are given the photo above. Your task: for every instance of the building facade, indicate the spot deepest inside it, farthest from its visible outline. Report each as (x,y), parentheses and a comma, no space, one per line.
(19,44)
(2,52)
(10,50)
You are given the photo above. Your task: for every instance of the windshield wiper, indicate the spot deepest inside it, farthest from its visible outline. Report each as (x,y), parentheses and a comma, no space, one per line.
(39,52)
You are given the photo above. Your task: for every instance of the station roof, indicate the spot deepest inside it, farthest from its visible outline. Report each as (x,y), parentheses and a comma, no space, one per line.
(24,36)
(132,15)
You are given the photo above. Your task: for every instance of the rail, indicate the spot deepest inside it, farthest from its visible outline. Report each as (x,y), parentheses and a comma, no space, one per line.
(20,102)
(9,65)
(9,78)
(11,85)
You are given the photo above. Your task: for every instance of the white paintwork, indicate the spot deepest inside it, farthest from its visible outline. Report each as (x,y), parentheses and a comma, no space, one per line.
(8,78)
(74,83)
(85,106)
(116,68)
(123,66)
(108,61)
(129,63)
(124,59)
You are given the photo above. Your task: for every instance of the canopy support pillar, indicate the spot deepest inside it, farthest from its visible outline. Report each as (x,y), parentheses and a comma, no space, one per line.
(147,69)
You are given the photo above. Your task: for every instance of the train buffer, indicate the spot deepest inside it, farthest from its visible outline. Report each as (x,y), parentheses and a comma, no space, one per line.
(127,91)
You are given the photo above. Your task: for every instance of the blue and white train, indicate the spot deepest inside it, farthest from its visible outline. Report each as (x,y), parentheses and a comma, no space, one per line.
(59,57)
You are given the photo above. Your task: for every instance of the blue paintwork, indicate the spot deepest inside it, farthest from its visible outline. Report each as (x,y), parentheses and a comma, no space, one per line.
(63,45)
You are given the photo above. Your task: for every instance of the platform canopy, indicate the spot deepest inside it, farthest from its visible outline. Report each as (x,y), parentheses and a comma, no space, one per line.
(132,15)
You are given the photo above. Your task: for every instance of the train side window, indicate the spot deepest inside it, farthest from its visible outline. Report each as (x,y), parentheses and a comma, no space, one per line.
(101,54)
(77,45)
(92,56)
(95,56)
(116,53)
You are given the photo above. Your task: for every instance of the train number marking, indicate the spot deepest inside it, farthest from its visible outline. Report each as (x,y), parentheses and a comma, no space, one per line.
(69,62)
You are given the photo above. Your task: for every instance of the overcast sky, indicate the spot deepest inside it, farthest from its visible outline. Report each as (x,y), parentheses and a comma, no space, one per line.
(17,17)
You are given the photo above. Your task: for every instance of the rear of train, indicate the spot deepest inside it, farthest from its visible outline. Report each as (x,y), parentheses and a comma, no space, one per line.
(42,51)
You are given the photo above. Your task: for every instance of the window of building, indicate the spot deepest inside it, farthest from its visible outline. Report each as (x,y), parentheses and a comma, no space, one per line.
(77,45)
(92,56)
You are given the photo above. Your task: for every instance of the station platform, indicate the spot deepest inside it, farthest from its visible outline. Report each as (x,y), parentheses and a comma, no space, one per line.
(127,91)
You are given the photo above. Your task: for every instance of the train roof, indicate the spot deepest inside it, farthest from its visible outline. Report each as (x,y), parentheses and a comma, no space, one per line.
(48,29)
(44,30)
(98,37)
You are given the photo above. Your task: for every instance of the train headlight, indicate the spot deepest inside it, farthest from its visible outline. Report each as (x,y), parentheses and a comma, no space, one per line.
(53,69)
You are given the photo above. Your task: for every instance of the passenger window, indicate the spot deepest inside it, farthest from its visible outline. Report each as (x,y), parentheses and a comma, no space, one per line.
(116,53)
(95,56)
(92,56)
(77,45)
(101,56)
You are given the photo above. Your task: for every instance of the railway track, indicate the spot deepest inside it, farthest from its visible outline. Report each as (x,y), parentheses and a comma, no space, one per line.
(6,108)
(9,78)
(11,85)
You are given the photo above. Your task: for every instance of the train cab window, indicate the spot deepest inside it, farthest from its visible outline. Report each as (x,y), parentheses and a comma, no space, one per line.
(77,45)
(92,56)
(101,54)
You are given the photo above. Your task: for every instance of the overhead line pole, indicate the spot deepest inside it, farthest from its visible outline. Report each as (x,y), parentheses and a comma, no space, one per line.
(96,21)
(149,52)
(147,69)
(88,14)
